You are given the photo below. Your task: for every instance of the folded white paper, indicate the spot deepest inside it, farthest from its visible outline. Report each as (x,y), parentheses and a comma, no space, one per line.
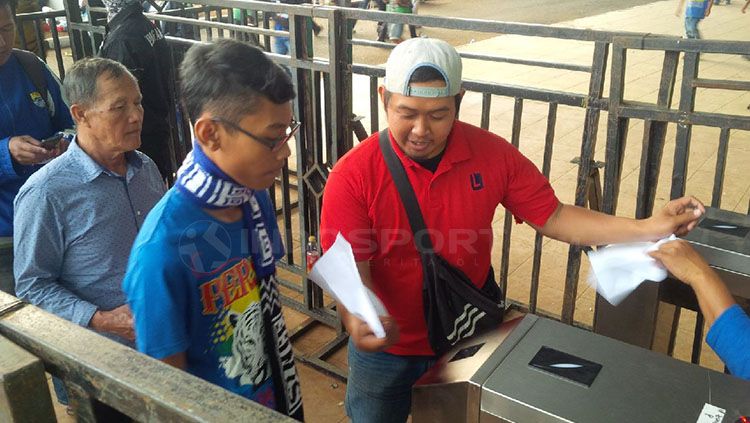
(336,272)
(618,269)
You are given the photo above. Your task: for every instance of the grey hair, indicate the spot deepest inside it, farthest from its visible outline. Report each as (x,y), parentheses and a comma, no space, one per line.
(79,86)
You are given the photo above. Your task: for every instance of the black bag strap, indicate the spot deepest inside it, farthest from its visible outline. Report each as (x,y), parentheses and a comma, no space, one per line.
(406,192)
(34,69)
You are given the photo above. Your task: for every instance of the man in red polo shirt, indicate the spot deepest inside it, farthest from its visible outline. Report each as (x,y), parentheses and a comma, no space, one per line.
(460,174)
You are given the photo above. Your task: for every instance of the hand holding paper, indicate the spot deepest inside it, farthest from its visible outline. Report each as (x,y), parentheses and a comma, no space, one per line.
(336,272)
(618,269)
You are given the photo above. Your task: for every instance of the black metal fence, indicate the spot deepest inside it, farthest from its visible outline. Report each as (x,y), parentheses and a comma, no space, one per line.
(333,107)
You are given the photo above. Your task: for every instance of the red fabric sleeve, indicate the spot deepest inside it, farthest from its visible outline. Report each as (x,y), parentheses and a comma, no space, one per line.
(528,195)
(345,210)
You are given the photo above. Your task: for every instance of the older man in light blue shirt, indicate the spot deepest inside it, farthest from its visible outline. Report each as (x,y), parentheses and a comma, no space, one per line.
(77,217)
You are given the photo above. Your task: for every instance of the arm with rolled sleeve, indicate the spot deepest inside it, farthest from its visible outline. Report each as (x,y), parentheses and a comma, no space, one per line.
(39,252)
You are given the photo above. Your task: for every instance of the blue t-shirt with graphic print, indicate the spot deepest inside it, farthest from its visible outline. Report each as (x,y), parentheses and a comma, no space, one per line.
(696,8)
(193,287)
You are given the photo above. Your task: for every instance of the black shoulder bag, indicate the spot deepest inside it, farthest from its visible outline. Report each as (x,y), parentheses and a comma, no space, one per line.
(454,308)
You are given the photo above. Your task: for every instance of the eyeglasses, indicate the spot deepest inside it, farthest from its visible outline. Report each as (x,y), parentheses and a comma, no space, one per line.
(272,143)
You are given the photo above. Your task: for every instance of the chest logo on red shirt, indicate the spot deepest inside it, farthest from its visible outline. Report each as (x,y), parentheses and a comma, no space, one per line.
(476,181)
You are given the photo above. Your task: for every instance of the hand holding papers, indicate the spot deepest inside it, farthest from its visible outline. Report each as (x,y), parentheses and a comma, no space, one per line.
(618,269)
(336,272)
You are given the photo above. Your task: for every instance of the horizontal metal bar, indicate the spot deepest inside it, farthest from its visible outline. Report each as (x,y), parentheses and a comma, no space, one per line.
(660,42)
(481,25)
(11,307)
(299,10)
(369,43)
(478,25)
(535,94)
(693,118)
(22,17)
(86,28)
(507,90)
(218,25)
(314,65)
(537,63)
(721,84)
(180,11)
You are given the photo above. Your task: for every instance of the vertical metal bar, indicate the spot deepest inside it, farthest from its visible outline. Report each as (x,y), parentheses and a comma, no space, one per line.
(721,164)
(73,15)
(40,40)
(341,78)
(209,30)
(22,34)
(684,128)
(695,356)
(585,170)
(58,47)
(654,136)
(486,104)
(546,165)
(616,131)
(92,43)
(508,223)
(286,209)
(267,38)
(374,105)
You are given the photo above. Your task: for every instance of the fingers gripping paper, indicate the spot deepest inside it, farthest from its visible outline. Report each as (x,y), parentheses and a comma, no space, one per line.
(618,269)
(336,272)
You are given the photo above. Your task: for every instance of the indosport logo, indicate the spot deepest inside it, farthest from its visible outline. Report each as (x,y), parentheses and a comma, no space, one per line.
(205,246)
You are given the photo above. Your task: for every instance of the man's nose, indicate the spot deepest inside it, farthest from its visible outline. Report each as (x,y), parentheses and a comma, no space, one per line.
(284,151)
(421,127)
(136,114)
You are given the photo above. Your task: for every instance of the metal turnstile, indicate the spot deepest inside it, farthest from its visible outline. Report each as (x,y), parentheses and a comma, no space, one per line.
(534,369)
(723,239)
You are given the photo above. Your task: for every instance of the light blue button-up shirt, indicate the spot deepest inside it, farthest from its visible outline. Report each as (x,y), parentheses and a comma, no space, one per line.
(75,224)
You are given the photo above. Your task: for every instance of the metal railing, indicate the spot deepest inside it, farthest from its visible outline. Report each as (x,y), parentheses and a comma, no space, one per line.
(97,370)
(323,70)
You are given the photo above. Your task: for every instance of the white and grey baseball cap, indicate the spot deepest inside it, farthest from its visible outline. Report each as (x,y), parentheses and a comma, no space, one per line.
(415,53)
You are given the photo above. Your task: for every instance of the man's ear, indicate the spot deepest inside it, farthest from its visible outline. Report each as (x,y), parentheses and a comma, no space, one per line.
(381,93)
(207,132)
(78,114)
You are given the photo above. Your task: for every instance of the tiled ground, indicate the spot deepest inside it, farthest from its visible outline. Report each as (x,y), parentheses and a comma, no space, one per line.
(324,395)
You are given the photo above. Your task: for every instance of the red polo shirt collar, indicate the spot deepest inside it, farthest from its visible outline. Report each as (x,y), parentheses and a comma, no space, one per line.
(456,150)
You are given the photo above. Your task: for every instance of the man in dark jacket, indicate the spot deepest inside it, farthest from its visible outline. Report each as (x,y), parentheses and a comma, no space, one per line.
(138,44)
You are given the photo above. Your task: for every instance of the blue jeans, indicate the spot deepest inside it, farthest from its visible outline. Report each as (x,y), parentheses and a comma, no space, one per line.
(691,28)
(379,385)
(60,391)
(280,45)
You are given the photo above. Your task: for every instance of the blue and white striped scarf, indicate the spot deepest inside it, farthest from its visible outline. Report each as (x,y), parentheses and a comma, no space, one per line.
(209,186)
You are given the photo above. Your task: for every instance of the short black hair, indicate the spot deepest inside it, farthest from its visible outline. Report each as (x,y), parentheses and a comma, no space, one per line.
(425,74)
(229,77)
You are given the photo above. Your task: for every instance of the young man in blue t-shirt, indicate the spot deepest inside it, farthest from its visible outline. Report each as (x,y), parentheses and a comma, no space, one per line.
(201,277)
(695,11)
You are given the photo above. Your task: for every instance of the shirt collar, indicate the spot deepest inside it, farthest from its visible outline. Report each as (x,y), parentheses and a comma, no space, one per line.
(457,149)
(89,169)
